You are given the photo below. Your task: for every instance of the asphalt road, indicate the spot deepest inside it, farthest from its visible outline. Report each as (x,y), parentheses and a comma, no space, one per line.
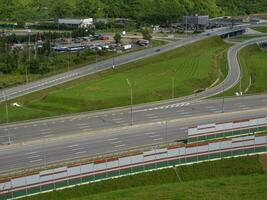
(31,87)
(71,138)
(44,152)
(121,118)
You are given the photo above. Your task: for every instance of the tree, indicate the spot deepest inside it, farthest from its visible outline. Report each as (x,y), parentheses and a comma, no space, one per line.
(146,34)
(60,9)
(117,38)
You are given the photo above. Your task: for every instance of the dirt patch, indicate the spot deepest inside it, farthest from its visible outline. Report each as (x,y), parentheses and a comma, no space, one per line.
(263,160)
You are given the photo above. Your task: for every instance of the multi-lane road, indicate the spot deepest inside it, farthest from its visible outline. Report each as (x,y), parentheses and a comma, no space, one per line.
(41,142)
(72,137)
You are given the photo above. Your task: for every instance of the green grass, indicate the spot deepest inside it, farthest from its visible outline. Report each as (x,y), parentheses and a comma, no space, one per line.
(244,175)
(262,29)
(254,71)
(234,188)
(192,67)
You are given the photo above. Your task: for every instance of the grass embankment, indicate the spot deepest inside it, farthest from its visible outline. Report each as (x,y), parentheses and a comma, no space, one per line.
(57,63)
(192,67)
(262,29)
(236,178)
(253,61)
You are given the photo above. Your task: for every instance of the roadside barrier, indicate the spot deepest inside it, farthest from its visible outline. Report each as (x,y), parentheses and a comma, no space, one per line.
(155,159)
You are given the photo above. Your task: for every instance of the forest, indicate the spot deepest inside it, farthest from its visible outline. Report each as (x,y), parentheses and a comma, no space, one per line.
(143,11)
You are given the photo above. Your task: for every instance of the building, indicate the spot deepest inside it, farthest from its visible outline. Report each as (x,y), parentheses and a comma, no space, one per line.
(196,21)
(76,23)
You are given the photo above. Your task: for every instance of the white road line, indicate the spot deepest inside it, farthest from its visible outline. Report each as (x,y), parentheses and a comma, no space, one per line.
(81,152)
(112,139)
(87,129)
(45,133)
(73,119)
(30,153)
(213,109)
(153,117)
(74,145)
(157,139)
(36,156)
(77,149)
(118,146)
(33,161)
(50,135)
(44,130)
(148,115)
(154,136)
(84,127)
(117,142)
(119,121)
(85,124)
(150,133)
(188,115)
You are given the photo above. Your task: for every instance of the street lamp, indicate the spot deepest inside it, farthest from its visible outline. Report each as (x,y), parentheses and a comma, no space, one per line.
(29,52)
(7,116)
(173,88)
(223,101)
(131,93)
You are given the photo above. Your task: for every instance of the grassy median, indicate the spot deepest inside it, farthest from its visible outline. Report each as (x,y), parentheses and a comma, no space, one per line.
(190,68)
(254,71)
(236,178)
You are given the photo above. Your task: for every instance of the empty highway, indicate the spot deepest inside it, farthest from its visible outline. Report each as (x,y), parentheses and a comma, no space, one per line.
(83,144)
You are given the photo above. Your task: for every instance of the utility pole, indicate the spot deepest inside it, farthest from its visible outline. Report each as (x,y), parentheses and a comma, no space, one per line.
(223,101)
(186,29)
(173,88)
(113,60)
(131,93)
(29,54)
(7,116)
(68,60)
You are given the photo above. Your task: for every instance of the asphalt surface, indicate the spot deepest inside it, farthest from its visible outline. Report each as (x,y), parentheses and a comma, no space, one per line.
(119,118)
(31,87)
(151,126)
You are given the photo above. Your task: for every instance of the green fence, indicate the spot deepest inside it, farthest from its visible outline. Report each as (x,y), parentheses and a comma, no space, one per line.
(226,135)
(131,170)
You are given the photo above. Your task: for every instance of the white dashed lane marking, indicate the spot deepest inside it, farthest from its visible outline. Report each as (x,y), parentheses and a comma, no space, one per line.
(164,107)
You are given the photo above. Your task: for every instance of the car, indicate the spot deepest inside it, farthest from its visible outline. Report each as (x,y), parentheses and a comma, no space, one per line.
(157,50)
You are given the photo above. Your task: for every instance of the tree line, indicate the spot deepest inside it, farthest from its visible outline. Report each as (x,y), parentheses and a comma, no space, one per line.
(143,11)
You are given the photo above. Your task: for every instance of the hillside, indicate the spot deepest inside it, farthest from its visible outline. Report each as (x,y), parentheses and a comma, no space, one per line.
(142,11)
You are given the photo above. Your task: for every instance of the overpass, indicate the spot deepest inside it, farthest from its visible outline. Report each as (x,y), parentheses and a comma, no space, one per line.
(233,32)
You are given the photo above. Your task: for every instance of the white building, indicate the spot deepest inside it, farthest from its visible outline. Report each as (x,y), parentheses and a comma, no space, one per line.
(76,23)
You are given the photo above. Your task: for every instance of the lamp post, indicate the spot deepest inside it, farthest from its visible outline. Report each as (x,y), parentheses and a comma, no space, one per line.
(173,88)
(7,116)
(29,54)
(223,100)
(131,93)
